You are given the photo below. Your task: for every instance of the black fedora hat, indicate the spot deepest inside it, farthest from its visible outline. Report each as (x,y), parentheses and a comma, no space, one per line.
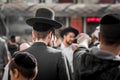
(43,20)
(67,30)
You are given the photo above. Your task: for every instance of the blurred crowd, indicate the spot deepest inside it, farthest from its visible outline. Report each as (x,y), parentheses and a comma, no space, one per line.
(69,56)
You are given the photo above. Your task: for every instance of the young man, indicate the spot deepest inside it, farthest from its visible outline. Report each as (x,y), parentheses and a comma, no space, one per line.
(68,36)
(103,63)
(51,62)
(23,66)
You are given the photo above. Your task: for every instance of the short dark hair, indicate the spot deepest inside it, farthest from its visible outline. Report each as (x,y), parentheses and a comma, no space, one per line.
(110,29)
(44,34)
(25,63)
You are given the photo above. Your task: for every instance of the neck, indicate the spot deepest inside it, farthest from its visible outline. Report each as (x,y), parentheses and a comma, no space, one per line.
(41,40)
(22,78)
(66,45)
(111,48)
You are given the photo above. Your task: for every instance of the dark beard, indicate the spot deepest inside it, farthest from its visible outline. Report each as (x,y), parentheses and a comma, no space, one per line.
(68,43)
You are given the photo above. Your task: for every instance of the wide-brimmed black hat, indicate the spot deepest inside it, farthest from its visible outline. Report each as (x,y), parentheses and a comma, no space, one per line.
(43,20)
(67,30)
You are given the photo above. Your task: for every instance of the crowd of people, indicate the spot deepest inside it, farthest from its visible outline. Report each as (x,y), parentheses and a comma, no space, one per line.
(73,56)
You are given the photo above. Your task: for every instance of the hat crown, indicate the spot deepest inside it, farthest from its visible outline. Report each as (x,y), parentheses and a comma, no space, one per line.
(45,13)
(110,19)
(25,60)
(67,30)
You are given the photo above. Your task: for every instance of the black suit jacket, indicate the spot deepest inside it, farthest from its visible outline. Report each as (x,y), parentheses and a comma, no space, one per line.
(51,64)
(71,75)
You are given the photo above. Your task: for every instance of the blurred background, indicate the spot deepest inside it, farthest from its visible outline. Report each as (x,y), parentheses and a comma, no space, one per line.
(84,15)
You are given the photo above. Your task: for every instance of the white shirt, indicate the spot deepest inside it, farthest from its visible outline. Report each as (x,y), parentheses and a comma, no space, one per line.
(68,52)
(6,72)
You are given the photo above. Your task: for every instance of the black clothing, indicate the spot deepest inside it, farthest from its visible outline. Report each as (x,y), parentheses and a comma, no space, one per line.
(51,64)
(12,48)
(96,64)
(68,64)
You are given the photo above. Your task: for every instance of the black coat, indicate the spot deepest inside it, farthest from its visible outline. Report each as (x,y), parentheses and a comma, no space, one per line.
(96,65)
(71,75)
(51,64)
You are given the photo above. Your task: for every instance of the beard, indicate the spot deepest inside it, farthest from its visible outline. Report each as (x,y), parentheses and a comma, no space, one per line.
(68,42)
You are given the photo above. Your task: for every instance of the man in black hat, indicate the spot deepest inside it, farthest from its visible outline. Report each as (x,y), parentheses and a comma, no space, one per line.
(68,35)
(51,62)
(103,63)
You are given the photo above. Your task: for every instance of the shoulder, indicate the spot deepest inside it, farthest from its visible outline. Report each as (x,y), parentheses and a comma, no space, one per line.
(57,47)
(80,50)
(24,46)
(53,50)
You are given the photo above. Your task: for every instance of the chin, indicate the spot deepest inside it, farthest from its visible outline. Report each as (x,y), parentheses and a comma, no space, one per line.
(69,43)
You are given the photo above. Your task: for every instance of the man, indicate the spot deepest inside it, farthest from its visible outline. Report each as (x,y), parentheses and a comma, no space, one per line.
(68,36)
(23,66)
(51,62)
(4,56)
(103,63)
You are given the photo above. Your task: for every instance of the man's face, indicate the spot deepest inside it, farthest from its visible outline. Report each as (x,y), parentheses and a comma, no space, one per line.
(69,38)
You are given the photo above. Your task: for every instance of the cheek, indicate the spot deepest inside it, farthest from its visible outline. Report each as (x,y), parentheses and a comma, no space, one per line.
(70,38)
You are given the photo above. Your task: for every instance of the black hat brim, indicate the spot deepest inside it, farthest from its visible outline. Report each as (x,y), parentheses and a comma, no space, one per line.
(67,30)
(53,23)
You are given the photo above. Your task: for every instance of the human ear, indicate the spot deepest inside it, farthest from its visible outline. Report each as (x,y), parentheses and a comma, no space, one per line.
(50,35)
(16,73)
(33,35)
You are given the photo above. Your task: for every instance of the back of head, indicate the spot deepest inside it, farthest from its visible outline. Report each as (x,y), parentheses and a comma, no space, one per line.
(110,29)
(25,63)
